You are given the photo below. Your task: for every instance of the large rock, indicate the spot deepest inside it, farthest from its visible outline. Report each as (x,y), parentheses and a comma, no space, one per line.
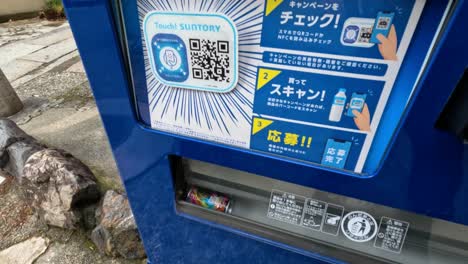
(11,133)
(18,153)
(116,233)
(25,252)
(15,147)
(59,187)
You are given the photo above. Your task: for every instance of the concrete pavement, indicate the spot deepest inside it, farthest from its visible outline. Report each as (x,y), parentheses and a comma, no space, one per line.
(46,72)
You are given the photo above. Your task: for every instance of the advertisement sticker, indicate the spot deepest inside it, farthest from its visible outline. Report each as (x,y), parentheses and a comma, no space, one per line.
(306,80)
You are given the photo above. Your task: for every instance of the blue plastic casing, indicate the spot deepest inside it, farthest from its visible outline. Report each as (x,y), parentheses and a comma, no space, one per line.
(426,170)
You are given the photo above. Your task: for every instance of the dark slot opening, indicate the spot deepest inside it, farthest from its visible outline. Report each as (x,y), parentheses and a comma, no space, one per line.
(249,197)
(454,116)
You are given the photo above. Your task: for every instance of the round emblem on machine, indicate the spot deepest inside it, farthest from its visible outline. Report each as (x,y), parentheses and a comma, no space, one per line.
(359,226)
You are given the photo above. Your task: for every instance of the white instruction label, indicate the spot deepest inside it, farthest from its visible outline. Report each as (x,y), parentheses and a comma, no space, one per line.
(391,234)
(314,212)
(286,207)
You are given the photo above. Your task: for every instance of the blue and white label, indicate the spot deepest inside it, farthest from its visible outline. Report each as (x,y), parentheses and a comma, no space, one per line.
(192,50)
(329,147)
(336,152)
(305,80)
(315,98)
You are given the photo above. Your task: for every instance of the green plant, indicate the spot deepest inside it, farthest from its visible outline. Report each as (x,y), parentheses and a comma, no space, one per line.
(54,9)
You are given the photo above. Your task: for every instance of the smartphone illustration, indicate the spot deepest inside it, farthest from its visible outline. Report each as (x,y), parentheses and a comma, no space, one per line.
(382,25)
(336,153)
(356,103)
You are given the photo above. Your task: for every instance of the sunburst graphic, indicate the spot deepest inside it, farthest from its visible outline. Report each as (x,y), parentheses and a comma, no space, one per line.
(222,114)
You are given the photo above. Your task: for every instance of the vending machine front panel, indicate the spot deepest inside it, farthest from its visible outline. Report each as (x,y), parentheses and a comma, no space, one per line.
(232,149)
(309,83)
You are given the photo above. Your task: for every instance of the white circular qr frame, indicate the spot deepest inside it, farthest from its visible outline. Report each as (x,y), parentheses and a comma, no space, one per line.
(170,58)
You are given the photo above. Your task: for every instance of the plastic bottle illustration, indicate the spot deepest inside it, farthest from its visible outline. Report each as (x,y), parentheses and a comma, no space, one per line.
(338,106)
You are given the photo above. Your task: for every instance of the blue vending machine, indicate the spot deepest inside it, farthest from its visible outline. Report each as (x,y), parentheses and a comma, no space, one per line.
(286,131)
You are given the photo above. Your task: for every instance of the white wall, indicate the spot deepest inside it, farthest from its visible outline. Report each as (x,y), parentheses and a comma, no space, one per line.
(11,7)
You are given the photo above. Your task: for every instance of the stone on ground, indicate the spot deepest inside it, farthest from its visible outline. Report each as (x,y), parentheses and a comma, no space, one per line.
(59,186)
(88,141)
(15,147)
(11,133)
(77,249)
(18,220)
(18,153)
(59,111)
(25,252)
(116,233)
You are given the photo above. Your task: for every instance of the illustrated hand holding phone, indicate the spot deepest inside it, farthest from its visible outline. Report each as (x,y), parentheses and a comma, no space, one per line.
(362,119)
(384,35)
(388,45)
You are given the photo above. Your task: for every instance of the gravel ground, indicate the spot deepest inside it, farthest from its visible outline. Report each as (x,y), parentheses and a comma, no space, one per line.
(60,112)
(53,85)
(18,221)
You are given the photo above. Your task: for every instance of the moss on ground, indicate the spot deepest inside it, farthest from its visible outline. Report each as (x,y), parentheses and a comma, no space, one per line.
(105,183)
(80,95)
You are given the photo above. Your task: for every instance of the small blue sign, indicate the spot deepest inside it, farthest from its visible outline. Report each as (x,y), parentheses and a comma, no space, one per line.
(336,152)
(307,143)
(170,57)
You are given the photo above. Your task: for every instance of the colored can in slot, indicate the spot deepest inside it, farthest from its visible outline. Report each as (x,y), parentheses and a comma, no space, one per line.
(209,199)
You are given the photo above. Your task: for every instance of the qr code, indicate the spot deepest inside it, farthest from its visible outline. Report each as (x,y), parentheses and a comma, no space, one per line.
(210,60)
(383,23)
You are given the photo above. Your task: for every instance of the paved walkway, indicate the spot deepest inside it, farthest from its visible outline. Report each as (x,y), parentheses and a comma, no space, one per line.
(31,47)
(42,63)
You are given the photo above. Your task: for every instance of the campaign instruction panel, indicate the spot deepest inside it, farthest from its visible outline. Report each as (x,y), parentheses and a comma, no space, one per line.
(307,80)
